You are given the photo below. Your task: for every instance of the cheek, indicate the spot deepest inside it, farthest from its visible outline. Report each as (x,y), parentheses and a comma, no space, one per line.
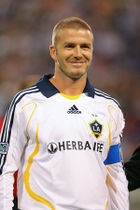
(61,61)
(62,58)
(88,55)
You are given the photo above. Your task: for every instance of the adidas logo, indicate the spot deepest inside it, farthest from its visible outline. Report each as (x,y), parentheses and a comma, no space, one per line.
(74,110)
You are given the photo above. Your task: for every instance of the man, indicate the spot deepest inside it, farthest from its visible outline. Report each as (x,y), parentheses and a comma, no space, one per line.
(64,135)
(132,168)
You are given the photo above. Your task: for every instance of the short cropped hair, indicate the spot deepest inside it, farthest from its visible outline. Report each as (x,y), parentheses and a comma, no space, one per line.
(70,22)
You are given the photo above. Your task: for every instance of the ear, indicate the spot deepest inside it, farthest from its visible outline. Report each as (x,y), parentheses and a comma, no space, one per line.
(53,52)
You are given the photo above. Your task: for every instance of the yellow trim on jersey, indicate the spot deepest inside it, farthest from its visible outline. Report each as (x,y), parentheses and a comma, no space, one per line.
(30,116)
(106,205)
(26,176)
(112,115)
(71,97)
(27,128)
(109,140)
(107,178)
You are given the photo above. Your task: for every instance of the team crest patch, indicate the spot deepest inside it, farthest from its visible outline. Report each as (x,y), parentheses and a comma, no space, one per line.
(96,128)
(3,148)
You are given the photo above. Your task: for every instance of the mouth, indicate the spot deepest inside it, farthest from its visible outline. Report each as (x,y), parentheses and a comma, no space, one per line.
(77,63)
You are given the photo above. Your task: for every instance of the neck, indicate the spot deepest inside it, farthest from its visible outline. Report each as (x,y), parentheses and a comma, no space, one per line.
(69,86)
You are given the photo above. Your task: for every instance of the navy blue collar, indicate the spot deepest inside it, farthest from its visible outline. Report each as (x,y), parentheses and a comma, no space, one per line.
(48,89)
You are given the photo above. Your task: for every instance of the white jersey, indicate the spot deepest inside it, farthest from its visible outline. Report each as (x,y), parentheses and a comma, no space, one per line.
(67,150)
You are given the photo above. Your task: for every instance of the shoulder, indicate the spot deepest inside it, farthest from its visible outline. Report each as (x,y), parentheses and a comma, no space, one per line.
(113,110)
(106,98)
(24,95)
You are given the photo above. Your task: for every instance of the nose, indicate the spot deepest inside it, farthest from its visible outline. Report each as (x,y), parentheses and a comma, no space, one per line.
(77,52)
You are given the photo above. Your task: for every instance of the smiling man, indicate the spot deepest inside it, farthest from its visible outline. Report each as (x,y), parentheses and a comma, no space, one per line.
(64,135)
(71,49)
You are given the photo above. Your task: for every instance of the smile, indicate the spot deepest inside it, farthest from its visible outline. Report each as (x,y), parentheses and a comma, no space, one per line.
(77,63)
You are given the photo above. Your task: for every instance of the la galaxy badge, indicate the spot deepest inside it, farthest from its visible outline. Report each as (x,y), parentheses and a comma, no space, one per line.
(96,128)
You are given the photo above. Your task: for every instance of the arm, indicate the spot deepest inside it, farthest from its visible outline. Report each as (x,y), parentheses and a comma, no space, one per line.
(117,186)
(10,152)
(116,179)
(132,168)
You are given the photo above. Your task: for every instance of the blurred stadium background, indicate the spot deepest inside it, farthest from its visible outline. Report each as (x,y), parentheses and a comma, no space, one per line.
(25,36)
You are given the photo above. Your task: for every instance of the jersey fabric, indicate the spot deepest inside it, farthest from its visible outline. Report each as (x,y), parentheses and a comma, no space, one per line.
(67,150)
(16,173)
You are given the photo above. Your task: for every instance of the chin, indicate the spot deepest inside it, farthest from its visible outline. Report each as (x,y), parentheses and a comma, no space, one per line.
(76,76)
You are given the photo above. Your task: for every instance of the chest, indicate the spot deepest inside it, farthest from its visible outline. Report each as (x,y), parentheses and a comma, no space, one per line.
(72,126)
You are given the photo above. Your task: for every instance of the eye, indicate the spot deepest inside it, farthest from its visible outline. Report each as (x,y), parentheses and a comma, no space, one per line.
(69,45)
(85,46)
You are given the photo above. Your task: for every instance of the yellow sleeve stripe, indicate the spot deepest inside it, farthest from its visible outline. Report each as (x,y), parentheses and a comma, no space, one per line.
(109,139)
(26,176)
(112,115)
(106,205)
(30,116)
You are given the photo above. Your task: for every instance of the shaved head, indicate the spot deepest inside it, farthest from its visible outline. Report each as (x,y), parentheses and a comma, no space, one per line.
(70,22)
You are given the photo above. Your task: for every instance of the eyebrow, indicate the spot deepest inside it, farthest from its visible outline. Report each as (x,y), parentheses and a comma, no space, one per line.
(84,43)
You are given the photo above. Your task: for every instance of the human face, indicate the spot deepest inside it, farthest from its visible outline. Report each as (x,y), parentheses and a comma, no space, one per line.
(73,52)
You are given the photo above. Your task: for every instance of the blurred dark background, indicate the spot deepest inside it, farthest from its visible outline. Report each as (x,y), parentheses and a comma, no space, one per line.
(25,36)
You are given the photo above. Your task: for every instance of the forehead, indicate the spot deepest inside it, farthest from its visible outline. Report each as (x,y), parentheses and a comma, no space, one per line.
(74,35)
